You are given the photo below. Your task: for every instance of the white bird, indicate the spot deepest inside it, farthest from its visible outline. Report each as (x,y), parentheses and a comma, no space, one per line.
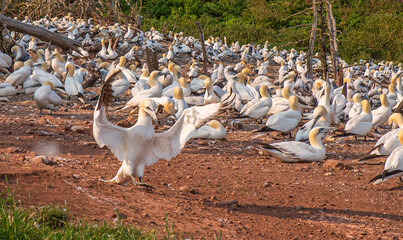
(169,91)
(155,90)
(321,118)
(393,165)
(211,130)
(71,85)
(19,76)
(295,151)
(280,104)
(381,114)
(258,108)
(180,103)
(356,108)
(284,121)
(46,98)
(210,96)
(359,125)
(6,89)
(140,145)
(388,142)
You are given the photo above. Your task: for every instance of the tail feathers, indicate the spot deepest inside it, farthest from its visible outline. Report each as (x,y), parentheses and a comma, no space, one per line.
(386,175)
(371,156)
(265,129)
(81,97)
(344,134)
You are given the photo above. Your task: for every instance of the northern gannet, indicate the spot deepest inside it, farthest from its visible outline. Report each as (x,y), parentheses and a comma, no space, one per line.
(46,98)
(381,114)
(388,142)
(140,145)
(295,151)
(321,118)
(155,90)
(180,103)
(6,89)
(393,165)
(71,85)
(19,76)
(284,121)
(211,130)
(257,108)
(359,125)
(356,108)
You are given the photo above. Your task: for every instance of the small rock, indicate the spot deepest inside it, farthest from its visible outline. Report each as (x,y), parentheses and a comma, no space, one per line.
(213,198)
(124,123)
(224,203)
(43,121)
(267,184)
(77,129)
(4,99)
(87,106)
(334,164)
(236,124)
(37,159)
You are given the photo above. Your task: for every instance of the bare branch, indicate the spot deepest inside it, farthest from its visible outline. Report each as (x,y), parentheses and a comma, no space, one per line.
(294,43)
(296,26)
(298,13)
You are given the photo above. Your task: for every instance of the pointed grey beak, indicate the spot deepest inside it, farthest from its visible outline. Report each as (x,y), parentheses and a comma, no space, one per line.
(316,120)
(152,114)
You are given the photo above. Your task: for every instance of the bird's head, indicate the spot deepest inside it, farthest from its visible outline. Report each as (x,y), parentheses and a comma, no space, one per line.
(18,65)
(318,112)
(214,124)
(47,83)
(294,105)
(366,106)
(396,118)
(320,132)
(357,98)
(149,107)
(178,93)
(384,100)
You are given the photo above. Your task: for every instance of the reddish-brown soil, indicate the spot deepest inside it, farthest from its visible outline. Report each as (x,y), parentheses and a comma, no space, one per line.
(211,185)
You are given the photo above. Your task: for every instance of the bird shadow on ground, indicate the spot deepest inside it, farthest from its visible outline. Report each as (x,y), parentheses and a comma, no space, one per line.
(313,214)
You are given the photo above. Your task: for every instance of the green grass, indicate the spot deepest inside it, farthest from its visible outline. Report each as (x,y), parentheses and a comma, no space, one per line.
(52,222)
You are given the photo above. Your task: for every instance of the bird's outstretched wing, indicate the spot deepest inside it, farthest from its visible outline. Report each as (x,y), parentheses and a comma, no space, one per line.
(106,133)
(168,144)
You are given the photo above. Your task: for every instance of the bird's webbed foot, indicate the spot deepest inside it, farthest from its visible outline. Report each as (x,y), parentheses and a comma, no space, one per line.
(141,183)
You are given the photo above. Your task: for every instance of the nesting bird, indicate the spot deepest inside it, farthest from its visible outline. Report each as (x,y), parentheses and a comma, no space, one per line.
(295,151)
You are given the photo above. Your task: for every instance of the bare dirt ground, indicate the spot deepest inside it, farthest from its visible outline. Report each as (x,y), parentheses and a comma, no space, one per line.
(211,185)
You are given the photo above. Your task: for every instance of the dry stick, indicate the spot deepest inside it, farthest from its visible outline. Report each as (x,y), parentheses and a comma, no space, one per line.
(298,13)
(300,25)
(3,6)
(312,40)
(333,43)
(323,44)
(203,48)
(294,43)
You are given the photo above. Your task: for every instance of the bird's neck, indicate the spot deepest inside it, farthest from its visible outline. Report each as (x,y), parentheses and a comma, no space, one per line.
(316,142)
(144,119)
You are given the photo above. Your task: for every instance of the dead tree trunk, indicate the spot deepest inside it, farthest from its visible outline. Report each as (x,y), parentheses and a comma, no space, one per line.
(333,42)
(39,32)
(323,43)
(203,48)
(312,40)
(152,61)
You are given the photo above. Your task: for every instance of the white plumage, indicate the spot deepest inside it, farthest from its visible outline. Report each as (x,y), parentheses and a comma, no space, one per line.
(294,151)
(140,145)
